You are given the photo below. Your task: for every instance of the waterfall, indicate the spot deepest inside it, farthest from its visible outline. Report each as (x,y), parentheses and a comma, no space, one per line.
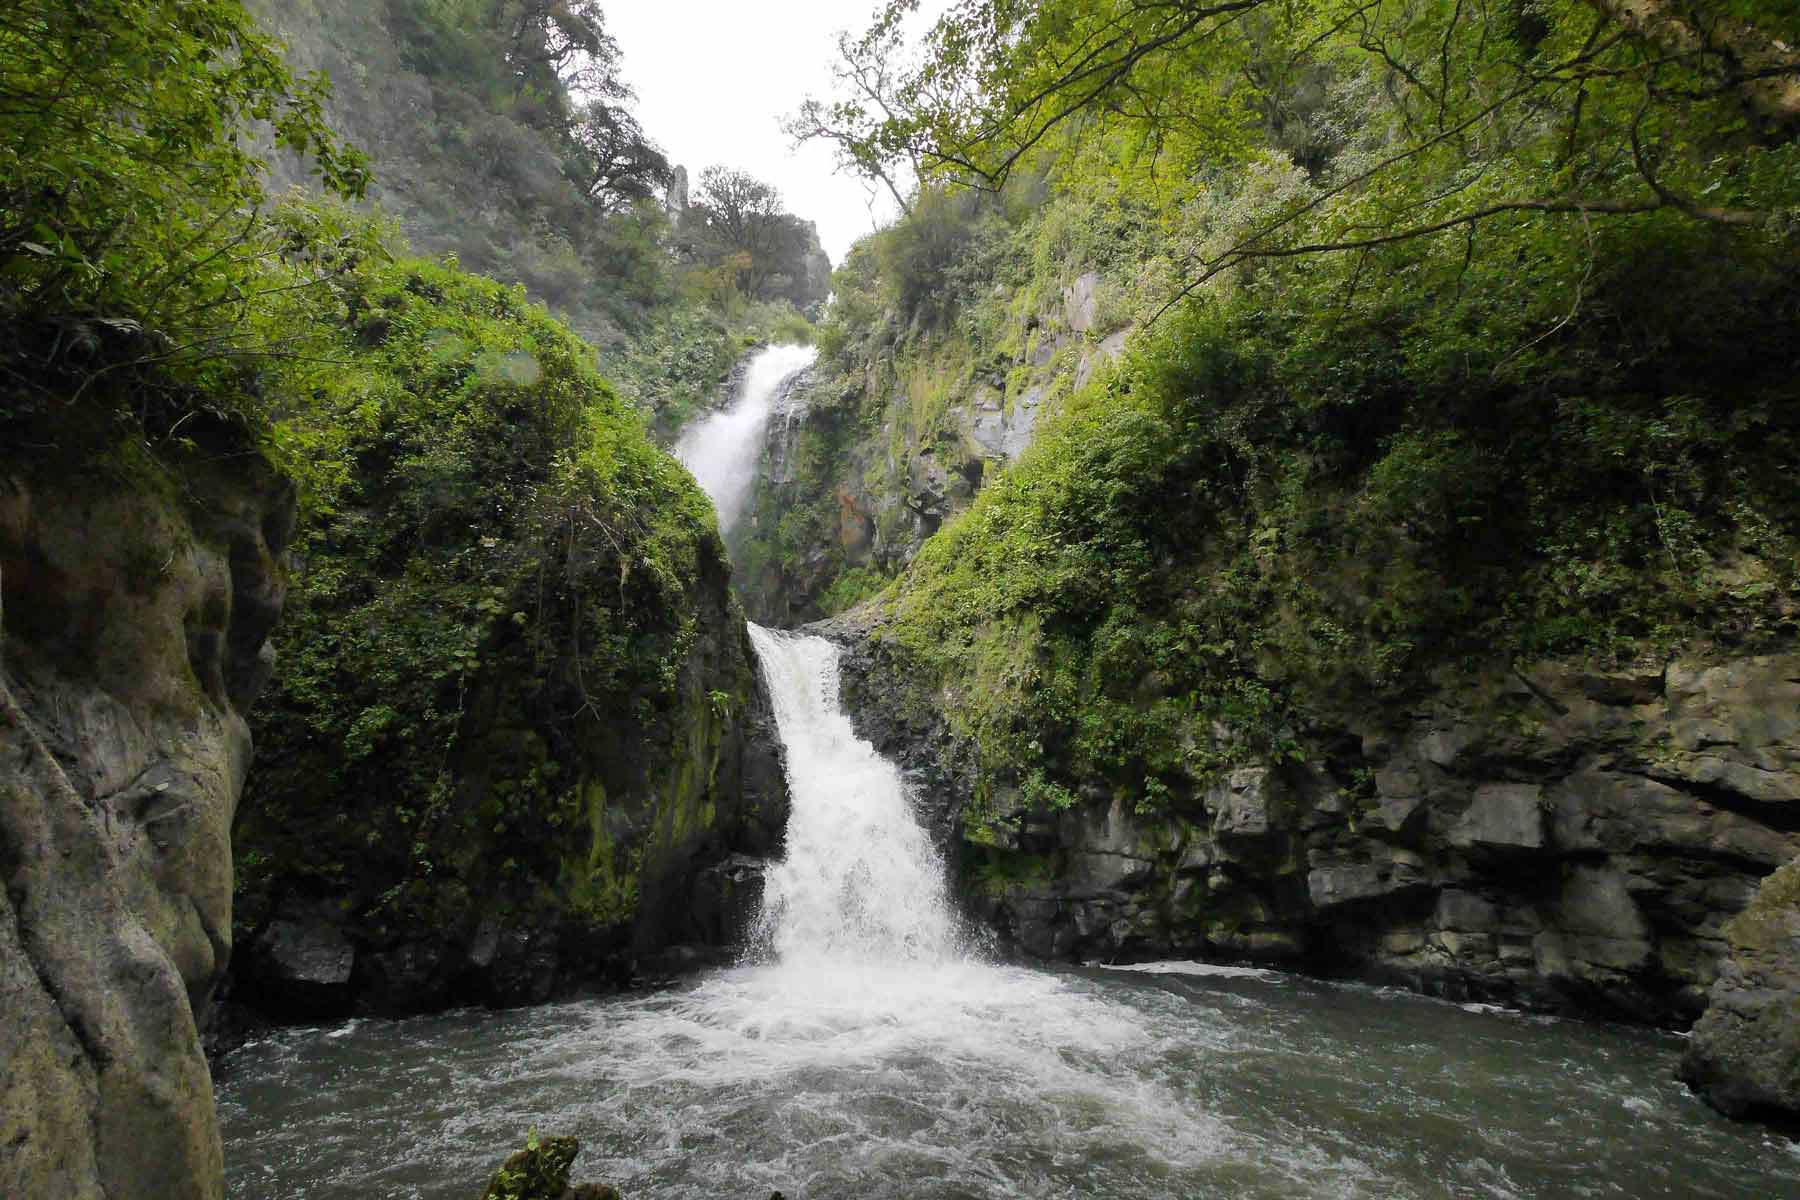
(861,881)
(721,449)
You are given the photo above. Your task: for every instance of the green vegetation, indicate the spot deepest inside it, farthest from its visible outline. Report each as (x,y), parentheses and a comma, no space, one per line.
(138,273)
(494,625)
(538,1172)
(1463,335)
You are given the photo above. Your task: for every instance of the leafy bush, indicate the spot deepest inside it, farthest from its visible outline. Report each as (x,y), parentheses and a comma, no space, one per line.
(134,240)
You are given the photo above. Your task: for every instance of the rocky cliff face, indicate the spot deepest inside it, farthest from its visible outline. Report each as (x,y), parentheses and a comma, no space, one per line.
(136,615)
(884,442)
(1561,838)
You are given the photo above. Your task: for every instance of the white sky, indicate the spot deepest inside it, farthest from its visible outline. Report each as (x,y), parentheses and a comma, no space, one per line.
(714,78)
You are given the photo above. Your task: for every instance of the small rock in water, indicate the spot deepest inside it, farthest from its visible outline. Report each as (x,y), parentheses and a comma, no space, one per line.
(541,1172)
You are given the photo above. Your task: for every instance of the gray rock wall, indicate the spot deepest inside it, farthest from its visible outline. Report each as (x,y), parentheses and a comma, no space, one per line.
(1744,1056)
(1563,839)
(134,630)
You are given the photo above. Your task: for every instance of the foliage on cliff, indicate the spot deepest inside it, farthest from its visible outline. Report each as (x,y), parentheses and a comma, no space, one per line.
(508,636)
(1263,515)
(1488,350)
(135,252)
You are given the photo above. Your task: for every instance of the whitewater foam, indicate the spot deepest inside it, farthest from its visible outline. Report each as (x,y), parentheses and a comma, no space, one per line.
(721,450)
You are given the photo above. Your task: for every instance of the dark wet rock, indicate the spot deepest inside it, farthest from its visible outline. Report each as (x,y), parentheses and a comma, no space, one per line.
(726,899)
(1564,837)
(1744,1056)
(303,967)
(509,967)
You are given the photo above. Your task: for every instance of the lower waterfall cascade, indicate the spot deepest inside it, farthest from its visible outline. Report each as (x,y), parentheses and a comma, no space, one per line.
(861,881)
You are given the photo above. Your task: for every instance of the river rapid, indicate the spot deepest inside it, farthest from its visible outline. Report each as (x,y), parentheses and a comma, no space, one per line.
(972,1080)
(864,1049)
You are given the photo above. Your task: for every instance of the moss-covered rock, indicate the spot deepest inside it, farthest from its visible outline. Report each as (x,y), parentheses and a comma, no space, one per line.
(541,1171)
(516,711)
(1744,1057)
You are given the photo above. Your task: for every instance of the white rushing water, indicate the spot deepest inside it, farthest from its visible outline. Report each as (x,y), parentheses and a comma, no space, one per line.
(722,449)
(861,882)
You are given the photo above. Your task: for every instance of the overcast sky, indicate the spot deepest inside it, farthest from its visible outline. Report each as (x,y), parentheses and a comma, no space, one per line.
(714,78)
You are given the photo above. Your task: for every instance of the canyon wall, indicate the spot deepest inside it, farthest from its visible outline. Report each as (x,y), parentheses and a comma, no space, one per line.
(137,608)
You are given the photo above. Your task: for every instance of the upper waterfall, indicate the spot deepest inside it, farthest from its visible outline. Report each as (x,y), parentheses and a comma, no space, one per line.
(721,449)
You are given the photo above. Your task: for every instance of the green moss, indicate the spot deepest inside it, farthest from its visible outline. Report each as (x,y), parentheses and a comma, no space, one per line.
(493,669)
(994,871)
(852,586)
(538,1172)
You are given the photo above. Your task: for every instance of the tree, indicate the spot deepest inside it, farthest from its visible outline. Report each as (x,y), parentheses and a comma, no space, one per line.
(561,43)
(1585,110)
(866,126)
(744,216)
(619,164)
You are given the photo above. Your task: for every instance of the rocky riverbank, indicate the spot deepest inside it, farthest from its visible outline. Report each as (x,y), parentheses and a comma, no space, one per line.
(1559,837)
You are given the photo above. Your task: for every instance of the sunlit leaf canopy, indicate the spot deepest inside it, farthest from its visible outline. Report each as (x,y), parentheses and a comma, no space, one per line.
(1408,117)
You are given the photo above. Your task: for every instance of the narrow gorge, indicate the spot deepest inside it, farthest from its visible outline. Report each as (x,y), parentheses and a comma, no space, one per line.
(1109,598)
(871,1042)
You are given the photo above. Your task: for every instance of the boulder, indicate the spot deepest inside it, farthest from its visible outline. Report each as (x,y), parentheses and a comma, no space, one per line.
(299,968)
(1744,1055)
(1241,804)
(1330,887)
(541,1171)
(1598,933)
(1081,302)
(1502,816)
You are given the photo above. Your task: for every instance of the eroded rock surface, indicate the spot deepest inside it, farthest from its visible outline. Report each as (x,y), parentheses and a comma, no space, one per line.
(134,637)
(1562,838)
(1744,1056)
